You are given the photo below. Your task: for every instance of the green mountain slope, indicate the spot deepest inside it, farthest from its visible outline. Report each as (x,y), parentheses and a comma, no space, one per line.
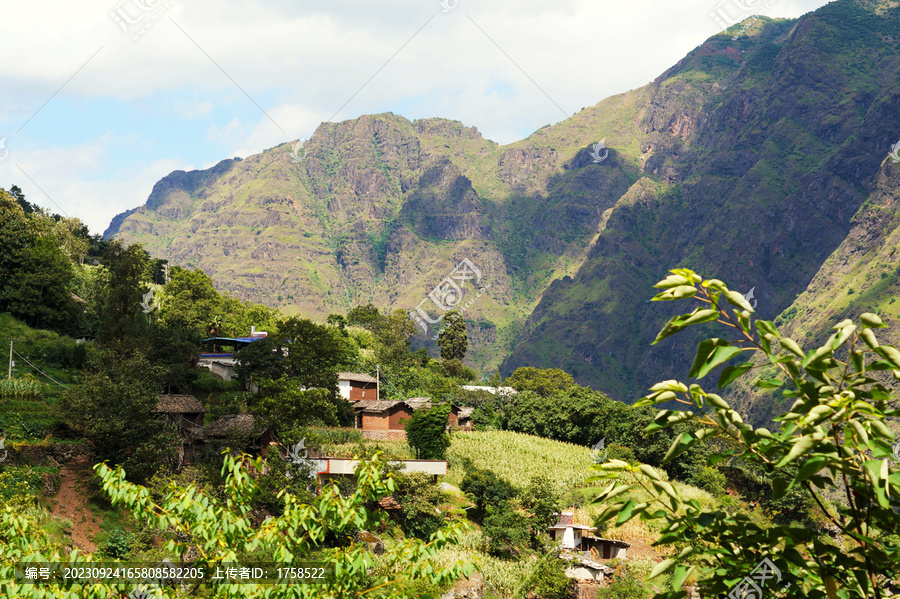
(382,209)
(761,180)
(749,159)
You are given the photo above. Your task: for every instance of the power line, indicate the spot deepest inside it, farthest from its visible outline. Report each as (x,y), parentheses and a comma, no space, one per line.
(64,386)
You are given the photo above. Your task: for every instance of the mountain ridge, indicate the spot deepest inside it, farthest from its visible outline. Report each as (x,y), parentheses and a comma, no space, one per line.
(739,161)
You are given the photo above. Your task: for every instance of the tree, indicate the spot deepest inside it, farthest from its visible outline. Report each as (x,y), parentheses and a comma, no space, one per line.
(542,500)
(174,350)
(543,381)
(190,300)
(419,499)
(548,580)
(284,405)
(834,436)
(123,319)
(217,529)
(573,415)
(113,408)
(315,352)
(453,338)
(394,333)
(426,432)
(38,292)
(506,530)
(262,359)
(484,488)
(35,274)
(366,316)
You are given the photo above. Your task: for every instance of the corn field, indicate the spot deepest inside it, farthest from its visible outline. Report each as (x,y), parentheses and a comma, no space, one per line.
(19,390)
(502,578)
(517,457)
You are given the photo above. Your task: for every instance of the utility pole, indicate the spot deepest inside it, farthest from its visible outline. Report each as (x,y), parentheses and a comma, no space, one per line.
(10,358)
(378,383)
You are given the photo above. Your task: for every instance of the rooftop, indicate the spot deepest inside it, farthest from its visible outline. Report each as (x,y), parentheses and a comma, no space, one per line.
(179,404)
(231,424)
(359,377)
(376,406)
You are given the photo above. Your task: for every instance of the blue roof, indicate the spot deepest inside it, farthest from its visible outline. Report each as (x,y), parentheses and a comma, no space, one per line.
(235,339)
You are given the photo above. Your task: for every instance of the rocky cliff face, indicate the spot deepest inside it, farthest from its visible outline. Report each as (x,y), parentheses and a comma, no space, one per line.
(757,154)
(748,159)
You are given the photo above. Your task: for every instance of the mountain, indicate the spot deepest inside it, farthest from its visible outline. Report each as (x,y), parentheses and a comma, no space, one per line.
(382,209)
(748,160)
(776,145)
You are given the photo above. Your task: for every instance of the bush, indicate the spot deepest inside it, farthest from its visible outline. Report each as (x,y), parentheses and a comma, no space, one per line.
(548,580)
(485,488)
(419,497)
(118,544)
(455,369)
(506,530)
(711,480)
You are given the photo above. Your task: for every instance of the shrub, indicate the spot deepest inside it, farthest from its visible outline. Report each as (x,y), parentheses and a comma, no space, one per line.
(506,530)
(118,544)
(711,480)
(485,488)
(419,497)
(548,580)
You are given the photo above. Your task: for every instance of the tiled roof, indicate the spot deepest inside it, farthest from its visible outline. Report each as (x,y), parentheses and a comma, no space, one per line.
(179,404)
(417,403)
(614,542)
(376,406)
(358,377)
(465,413)
(233,424)
(388,503)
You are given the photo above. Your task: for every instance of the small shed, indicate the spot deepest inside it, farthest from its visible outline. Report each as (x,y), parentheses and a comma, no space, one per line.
(464,418)
(567,533)
(185,410)
(605,548)
(243,426)
(357,386)
(387,419)
(583,569)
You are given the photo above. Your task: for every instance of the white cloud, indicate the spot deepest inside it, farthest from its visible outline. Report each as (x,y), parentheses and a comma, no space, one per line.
(302,61)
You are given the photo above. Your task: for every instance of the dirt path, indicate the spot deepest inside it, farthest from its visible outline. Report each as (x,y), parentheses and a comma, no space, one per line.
(71,503)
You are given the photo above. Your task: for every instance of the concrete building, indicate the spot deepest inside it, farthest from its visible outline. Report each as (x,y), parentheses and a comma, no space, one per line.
(567,533)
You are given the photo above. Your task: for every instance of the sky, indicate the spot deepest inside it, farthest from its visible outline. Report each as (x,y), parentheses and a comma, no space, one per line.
(99,99)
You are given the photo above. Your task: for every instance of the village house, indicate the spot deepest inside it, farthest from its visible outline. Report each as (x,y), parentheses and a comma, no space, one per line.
(387,419)
(356,386)
(184,410)
(577,537)
(326,469)
(240,426)
(187,414)
(567,533)
(503,391)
